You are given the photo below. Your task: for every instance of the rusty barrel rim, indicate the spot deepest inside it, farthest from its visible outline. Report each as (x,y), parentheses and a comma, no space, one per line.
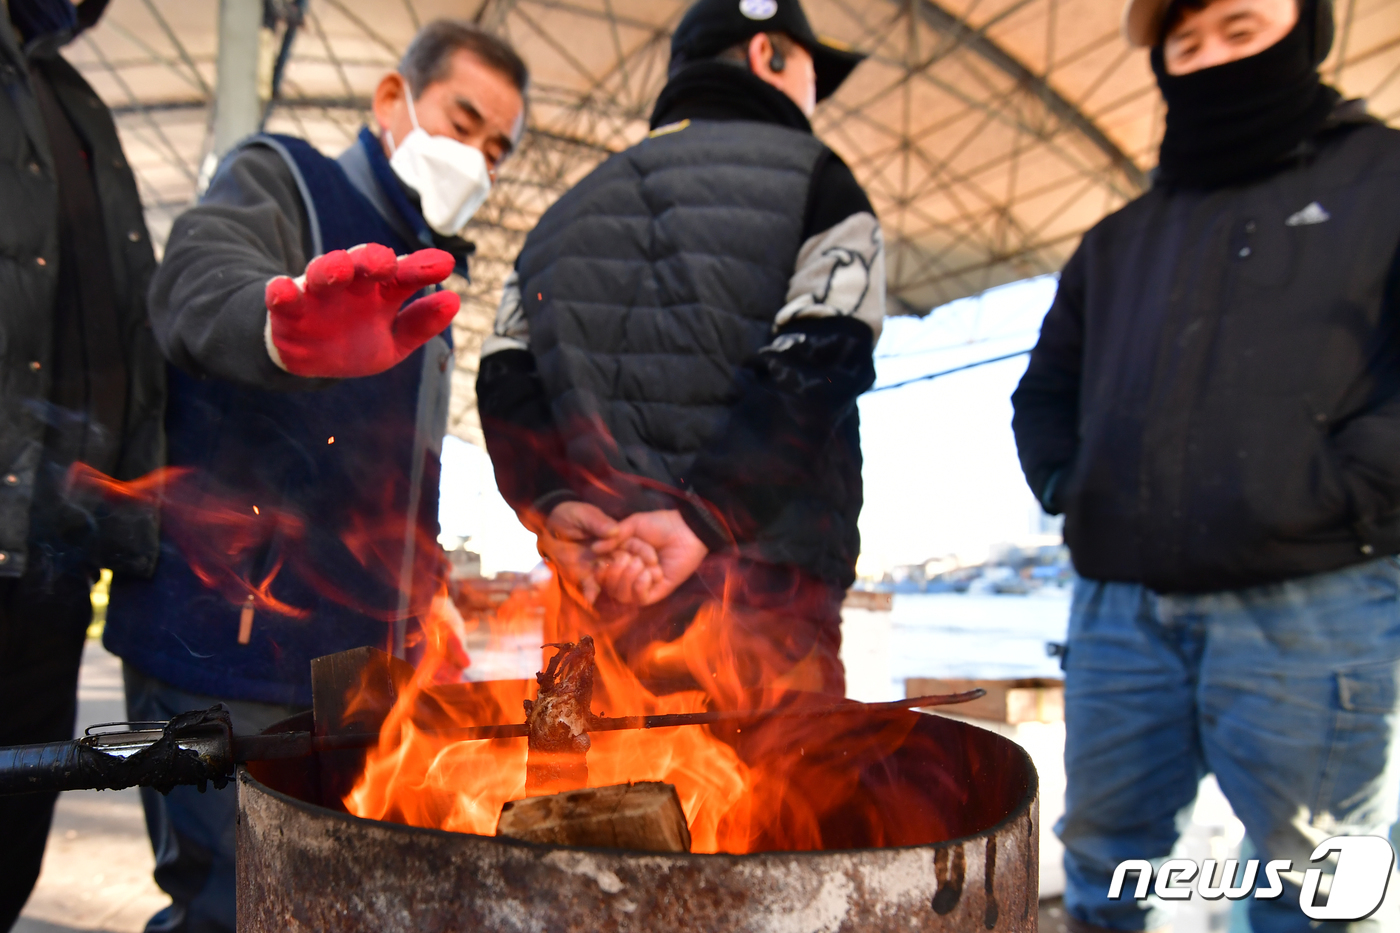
(1019,811)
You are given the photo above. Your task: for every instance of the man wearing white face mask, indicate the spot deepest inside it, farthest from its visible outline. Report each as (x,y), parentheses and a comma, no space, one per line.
(302,385)
(452,178)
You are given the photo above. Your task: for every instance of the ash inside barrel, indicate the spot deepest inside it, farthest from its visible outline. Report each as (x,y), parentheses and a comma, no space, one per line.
(558,720)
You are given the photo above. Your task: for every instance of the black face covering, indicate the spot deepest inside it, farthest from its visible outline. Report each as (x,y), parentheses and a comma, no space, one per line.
(1236,121)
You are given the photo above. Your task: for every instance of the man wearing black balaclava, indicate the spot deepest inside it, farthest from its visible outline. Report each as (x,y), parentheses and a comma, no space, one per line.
(1214,405)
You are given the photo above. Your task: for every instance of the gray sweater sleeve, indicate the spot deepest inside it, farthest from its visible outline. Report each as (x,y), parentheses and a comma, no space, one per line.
(206,300)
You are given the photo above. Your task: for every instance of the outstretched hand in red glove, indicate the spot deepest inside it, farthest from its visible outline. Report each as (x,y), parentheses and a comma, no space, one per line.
(342,318)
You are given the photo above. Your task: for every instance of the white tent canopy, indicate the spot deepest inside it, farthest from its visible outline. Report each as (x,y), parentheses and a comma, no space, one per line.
(990,134)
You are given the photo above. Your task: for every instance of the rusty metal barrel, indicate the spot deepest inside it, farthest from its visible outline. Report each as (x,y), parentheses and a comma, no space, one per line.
(304,867)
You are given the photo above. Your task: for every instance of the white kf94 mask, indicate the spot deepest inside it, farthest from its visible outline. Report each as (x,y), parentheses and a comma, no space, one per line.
(451,178)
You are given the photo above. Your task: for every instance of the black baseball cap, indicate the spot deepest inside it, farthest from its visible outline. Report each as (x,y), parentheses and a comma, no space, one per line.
(711,26)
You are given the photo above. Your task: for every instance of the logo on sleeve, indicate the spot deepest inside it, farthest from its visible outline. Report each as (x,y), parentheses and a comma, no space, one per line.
(759,9)
(1314,213)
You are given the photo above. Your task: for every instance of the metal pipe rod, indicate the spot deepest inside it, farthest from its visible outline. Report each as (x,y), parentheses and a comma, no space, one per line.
(51,766)
(193,748)
(237,109)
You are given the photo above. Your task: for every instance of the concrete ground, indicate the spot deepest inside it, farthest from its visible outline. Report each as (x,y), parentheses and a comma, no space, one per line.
(97,868)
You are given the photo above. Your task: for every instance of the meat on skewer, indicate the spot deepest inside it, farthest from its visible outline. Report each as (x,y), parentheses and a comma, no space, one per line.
(559,719)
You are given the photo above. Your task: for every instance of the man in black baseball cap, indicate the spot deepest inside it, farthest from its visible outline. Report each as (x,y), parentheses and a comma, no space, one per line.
(669,394)
(712,26)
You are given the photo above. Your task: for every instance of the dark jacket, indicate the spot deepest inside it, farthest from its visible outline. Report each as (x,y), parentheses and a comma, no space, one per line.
(334,468)
(1214,401)
(29,274)
(690,326)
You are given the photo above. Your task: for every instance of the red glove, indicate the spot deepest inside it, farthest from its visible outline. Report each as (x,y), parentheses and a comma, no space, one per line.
(342,319)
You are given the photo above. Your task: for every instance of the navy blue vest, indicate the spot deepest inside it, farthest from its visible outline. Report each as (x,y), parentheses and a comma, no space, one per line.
(274,448)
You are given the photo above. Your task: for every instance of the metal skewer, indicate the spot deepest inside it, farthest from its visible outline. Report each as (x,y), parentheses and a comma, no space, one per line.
(199,747)
(296,744)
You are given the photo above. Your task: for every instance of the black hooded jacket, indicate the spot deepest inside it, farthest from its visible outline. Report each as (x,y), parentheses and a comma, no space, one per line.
(1214,402)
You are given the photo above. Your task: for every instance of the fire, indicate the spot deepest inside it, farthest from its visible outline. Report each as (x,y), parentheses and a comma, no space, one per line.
(418,777)
(770,785)
(797,782)
(225,536)
(218,534)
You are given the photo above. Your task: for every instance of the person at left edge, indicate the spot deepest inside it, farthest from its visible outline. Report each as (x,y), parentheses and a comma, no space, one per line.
(267,369)
(81,379)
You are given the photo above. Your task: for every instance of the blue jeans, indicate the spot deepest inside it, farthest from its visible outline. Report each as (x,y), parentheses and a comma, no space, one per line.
(1287,693)
(192,833)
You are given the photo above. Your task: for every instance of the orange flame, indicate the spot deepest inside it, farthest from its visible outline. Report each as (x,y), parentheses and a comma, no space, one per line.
(218,535)
(773,784)
(791,783)
(238,547)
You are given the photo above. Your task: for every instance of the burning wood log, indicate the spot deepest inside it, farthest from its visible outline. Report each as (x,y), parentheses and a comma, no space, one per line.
(643,817)
(558,721)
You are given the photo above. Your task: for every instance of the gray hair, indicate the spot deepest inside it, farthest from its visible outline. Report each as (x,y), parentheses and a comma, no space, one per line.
(428,57)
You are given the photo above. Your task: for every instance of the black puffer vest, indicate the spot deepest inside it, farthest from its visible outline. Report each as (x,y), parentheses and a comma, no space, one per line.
(649,284)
